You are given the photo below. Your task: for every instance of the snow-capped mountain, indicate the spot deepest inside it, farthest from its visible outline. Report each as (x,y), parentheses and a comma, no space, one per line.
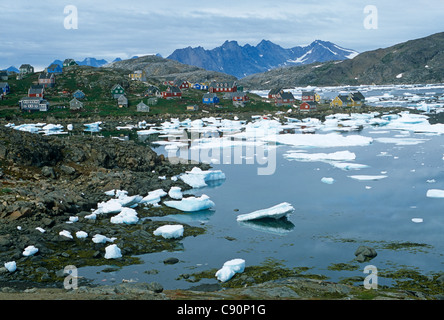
(241,61)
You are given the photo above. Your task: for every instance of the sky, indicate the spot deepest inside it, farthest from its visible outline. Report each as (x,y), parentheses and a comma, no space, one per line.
(38,32)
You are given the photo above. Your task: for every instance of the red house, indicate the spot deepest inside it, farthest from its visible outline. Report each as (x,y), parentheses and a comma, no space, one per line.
(274,92)
(284,99)
(47,79)
(227,86)
(172,92)
(36,91)
(182,84)
(307,106)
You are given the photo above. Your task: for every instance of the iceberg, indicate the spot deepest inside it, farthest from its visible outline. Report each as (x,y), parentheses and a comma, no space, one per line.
(98,238)
(191,204)
(126,216)
(319,140)
(153,197)
(229,269)
(328,180)
(198,178)
(175,193)
(348,165)
(276,212)
(169,231)
(112,252)
(30,251)
(435,193)
(81,234)
(336,156)
(11,266)
(65,233)
(368,177)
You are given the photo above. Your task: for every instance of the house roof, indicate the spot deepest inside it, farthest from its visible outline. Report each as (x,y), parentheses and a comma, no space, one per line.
(287,95)
(75,101)
(35,91)
(4,84)
(275,91)
(46,75)
(173,89)
(116,86)
(209,95)
(358,96)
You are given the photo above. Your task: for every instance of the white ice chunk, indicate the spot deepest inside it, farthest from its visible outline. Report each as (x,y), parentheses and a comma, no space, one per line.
(328,180)
(73,219)
(336,156)
(417,220)
(368,177)
(175,193)
(169,231)
(320,140)
(435,193)
(276,212)
(98,238)
(40,229)
(348,165)
(65,233)
(11,266)
(126,216)
(153,197)
(191,204)
(29,251)
(81,234)
(113,252)
(198,178)
(229,269)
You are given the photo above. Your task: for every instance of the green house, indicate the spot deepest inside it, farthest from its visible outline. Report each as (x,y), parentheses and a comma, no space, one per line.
(117,91)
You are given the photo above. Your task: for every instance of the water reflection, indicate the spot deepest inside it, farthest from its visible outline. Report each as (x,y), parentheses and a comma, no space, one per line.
(274,226)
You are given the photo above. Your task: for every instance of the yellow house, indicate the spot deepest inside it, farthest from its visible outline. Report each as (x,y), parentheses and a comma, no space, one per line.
(353,99)
(136,75)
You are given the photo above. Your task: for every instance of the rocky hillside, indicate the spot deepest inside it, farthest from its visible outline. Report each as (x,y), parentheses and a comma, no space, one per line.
(241,61)
(415,61)
(160,68)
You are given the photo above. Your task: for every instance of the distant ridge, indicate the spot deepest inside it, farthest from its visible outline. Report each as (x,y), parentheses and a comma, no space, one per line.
(241,61)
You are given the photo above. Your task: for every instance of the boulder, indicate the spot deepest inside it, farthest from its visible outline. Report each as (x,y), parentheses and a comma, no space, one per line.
(364,253)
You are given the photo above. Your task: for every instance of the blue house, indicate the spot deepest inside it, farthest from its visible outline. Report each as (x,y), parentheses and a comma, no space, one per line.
(55,69)
(200,86)
(78,95)
(210,98)
(4,88)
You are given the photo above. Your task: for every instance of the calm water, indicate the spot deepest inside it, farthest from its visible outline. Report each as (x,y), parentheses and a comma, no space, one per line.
(329,223)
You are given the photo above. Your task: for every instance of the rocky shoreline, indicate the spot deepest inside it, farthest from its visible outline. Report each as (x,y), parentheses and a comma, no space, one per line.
(48,179)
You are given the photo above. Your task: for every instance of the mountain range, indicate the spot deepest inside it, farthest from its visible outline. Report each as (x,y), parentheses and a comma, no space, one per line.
(415,61)
(241,61)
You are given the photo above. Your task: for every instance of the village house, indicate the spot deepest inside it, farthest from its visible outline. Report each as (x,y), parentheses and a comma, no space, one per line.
(273,92)
(169,81)
(353,99)
(210,98)
(75,104)
(78,95)
(200,86)
(26,69)
(122,101)
(47,79)
(308,106)
(182,84)
(226,86)
(55,69)
(284,99)
(310,96)
(239,99)
(33,104)
(4,88)
(69,62)
(152,101)
(152,91)
(36,91)
(137,75)
(142,107)
(172,92)
(3,75)
(117,90)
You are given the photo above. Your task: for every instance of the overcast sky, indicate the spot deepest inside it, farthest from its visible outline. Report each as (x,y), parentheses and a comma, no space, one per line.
(36,32)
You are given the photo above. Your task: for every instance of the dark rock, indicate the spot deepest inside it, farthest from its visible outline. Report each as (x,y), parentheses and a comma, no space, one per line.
(171,261)
(364,253)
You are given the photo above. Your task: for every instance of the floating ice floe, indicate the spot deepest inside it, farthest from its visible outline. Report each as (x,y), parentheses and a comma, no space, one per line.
(435,193)
(327,180)
(30,251)
(153,197)
(368,177)
(336,156)
(348,165)
(229,269)
(126,216)
(191,204)
(170,231)
(320,140)
(113,252)
(275,212)
(198,178)
(417,220)
(401,141)
(11,266)
(175,193)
